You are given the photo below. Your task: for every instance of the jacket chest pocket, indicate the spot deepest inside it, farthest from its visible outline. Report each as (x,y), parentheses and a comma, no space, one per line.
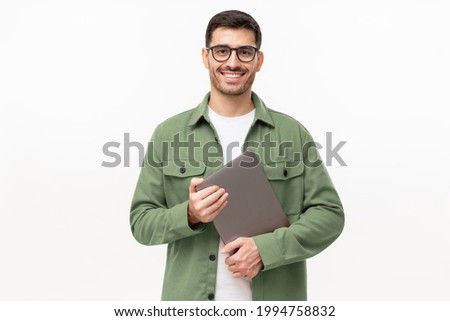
(286,179)
(177,177)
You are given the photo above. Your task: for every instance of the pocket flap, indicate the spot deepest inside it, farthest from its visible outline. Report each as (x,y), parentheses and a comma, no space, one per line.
(283,169)
(184,168)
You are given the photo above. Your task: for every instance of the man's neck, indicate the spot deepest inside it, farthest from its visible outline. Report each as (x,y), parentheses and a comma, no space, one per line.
(231,106)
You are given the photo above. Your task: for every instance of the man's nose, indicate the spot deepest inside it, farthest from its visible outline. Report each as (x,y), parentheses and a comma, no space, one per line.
(233,61)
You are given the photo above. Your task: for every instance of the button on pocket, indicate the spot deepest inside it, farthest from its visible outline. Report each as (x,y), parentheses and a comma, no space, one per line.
(184,168)
(280,171)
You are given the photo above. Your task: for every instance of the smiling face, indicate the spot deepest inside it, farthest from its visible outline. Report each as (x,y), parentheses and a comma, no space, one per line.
(232,77)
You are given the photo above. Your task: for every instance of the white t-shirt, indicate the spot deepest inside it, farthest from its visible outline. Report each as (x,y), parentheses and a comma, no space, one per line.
(231,132)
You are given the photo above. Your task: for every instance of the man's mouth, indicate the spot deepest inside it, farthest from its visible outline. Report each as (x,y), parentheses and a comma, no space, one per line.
(232,75)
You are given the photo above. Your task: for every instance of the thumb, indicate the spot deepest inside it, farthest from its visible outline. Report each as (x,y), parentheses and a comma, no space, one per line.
(236,244)
(195,182)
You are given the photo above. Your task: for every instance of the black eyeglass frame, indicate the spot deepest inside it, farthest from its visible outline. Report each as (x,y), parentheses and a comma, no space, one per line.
(231,50)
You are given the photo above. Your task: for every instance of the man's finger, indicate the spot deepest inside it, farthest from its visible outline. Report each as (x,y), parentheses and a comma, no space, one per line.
(216,212)
(213,197)
(238,274)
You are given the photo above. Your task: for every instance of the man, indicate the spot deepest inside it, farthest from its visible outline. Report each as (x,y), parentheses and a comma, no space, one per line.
(166,207)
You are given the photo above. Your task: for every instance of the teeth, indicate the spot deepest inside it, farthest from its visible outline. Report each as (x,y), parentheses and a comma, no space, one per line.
(232,75)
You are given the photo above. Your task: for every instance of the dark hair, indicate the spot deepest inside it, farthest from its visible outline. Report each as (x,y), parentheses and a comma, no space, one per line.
(233,19)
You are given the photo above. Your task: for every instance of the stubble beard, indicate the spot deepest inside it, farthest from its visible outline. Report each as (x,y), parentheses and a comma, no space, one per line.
(233,91)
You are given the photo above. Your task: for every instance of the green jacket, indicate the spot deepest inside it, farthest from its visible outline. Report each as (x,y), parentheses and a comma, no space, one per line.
(296,174)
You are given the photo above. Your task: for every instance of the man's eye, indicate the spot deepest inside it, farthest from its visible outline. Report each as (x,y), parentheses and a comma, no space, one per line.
(221,51)
(246,52)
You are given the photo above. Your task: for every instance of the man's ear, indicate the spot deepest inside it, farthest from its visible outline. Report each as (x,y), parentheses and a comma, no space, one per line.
(260,61)
(205,58)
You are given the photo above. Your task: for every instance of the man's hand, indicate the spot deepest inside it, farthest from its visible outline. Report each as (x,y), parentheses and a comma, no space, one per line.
(246,262)
(206,204)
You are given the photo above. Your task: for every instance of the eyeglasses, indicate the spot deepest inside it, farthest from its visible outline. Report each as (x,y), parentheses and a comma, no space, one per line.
(222,53)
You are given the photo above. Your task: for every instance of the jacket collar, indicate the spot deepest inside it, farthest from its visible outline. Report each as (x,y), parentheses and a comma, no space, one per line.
(261,111)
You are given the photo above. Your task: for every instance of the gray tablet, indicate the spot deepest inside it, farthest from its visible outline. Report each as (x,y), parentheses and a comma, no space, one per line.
(253,207)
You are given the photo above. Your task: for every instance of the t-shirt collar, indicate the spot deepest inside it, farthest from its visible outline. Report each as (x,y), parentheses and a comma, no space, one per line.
(261,111)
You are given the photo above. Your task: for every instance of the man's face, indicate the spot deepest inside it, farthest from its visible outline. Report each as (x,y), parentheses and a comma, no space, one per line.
(232,77)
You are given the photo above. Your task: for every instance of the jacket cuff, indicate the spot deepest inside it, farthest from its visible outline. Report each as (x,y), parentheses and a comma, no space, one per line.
(271,255)
(179,221)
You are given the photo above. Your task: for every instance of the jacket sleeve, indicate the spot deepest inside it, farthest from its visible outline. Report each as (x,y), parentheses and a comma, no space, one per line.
(321,218)
(151,221)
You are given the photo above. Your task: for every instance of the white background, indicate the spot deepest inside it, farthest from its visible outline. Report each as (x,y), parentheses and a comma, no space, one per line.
(75,75)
